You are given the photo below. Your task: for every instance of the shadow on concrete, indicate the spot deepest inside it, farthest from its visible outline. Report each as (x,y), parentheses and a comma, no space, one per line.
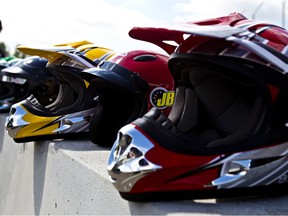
(77,145)
(243,206)
(40,160)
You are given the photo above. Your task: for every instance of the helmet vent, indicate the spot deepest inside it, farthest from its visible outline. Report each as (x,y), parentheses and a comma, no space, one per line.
(145,58)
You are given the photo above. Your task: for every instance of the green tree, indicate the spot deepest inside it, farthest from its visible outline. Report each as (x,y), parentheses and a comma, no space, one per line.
(19,54)
(16,53)
(3,49)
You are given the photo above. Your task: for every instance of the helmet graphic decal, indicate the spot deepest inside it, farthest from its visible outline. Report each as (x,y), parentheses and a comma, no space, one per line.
(161,98)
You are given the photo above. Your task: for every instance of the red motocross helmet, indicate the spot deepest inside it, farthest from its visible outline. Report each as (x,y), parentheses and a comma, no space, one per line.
(226,134)
(129,84)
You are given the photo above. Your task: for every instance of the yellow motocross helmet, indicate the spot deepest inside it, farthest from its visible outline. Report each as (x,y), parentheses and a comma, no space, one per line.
(69,114)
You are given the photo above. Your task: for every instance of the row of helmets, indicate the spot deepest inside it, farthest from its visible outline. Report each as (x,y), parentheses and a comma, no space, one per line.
(208,118)
(81,90)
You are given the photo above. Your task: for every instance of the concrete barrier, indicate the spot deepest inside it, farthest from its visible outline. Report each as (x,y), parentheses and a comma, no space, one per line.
(70,178)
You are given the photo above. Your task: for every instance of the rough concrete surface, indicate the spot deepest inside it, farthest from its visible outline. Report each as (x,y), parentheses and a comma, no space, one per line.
(70,178)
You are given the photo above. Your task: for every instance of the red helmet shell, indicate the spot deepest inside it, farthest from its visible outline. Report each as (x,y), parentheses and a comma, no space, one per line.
(270,34)
(276,36)
(153,68)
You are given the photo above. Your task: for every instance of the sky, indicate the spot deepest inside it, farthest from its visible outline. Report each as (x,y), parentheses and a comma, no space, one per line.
(107,22)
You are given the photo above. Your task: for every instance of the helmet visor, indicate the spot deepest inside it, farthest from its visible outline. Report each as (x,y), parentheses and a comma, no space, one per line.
(117,76)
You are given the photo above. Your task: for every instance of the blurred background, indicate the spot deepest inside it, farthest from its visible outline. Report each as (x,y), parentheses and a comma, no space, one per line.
(107,22)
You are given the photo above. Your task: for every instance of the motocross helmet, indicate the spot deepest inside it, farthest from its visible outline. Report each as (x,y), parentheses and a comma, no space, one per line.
(3,64)
(8,61)
(24,77)
(226,134)
(69,114)
(129,85)
(13,60)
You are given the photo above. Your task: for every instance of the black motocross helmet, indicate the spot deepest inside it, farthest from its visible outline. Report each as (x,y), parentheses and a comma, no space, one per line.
(26,77)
